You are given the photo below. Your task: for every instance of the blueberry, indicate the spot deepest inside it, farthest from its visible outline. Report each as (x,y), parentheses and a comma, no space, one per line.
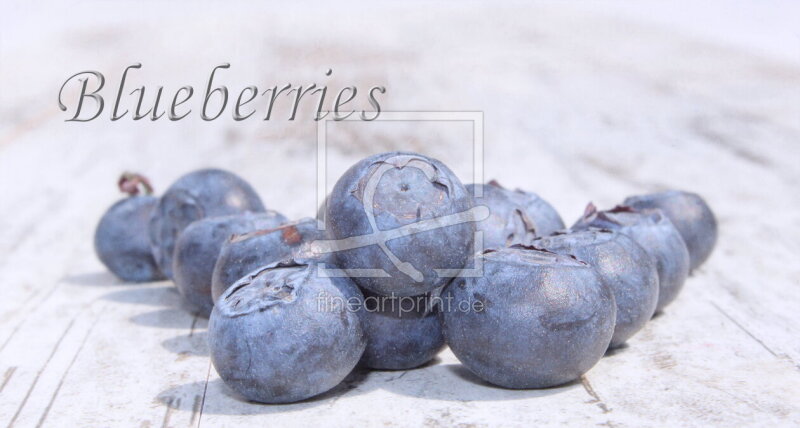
(198,247)
(516,216)
(244,253)
(199,194)
(283,334)
(388,191)
(690,214)
(623,265)
(535,319)
(402,332)
(120,239)
(656,234)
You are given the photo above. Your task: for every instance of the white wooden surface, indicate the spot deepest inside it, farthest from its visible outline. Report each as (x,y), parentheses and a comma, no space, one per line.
(579,105)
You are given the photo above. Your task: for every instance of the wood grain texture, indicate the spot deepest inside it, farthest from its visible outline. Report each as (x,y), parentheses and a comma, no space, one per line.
(579,105)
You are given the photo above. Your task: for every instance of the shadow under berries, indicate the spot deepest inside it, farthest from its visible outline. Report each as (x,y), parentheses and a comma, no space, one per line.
(454,382)
(94,279)
(146,295)
(194,344)
(222,400)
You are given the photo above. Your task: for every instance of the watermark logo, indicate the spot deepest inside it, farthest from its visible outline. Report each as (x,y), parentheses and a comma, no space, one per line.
(402,306)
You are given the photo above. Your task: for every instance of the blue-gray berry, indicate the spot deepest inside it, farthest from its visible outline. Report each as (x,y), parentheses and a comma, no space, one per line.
(199,246)
(656,234)
(690,214)
(283,334)
(402,332)
(535,319)
(390,191)
(120,240)
(121,243)
(623,265)
(199,194)
(241,254)
(516,216)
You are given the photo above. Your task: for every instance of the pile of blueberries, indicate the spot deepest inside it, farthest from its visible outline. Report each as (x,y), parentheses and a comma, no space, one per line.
(409,259)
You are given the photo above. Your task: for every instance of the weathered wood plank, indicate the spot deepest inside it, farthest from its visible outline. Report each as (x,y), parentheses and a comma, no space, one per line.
(578,106)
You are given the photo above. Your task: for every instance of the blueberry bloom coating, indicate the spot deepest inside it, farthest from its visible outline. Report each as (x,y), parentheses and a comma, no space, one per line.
(121,243)
(401,191)
(690,214)
(199,194)
(535,319)
(283,334)
(623,265)
(516,216)
(402,332)
(198,247)
(242,254)
(653,231)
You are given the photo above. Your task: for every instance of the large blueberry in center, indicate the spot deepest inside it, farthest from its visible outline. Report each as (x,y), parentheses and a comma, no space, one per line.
(402,222)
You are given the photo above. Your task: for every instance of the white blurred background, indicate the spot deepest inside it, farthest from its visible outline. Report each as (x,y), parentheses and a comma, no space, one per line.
(581,101)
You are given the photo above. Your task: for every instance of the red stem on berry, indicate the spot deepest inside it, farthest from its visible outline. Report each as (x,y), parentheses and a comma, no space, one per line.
(590,209)
(622,209)
(131,182)
(494,183)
